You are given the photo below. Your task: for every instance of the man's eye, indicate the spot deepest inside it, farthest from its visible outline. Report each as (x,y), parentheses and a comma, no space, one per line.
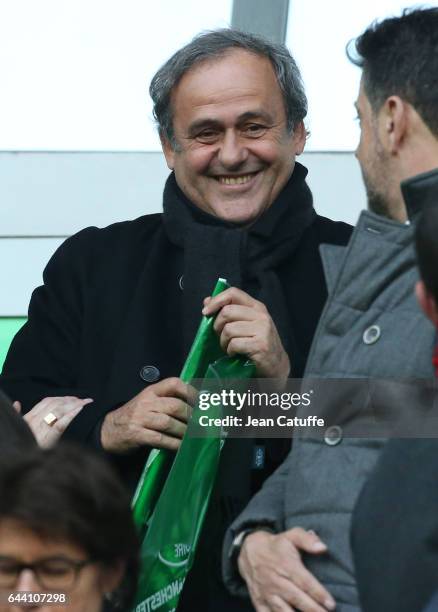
(54,568)
(254,130)
(8,568)
(207,136)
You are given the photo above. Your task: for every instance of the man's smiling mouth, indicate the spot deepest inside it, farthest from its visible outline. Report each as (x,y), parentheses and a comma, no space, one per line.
(235,180)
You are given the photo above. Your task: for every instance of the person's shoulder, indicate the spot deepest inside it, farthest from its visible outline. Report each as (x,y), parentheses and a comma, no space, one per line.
(120,233)
(108,244)
(142,226)
(332,232)
(145,223)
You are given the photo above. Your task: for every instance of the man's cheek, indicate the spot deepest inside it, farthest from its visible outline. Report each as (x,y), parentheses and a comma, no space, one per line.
(199,162)
(268,151)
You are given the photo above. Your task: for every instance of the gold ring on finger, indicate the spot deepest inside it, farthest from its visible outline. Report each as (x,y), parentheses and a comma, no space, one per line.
(50,419)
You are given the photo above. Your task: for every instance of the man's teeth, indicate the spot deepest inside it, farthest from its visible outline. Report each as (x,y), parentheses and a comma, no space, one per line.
(235,180)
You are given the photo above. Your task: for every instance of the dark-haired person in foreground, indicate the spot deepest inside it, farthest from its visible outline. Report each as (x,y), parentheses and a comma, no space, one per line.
(40,422)
(290,548)
(120,306)
(15,433)
(65,527)
(395,524)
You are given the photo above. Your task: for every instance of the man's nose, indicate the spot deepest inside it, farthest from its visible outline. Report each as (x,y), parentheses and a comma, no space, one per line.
(356,152)
(233,152)
(27,581)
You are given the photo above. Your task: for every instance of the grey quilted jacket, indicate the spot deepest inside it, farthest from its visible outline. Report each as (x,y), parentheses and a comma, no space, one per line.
(371,327)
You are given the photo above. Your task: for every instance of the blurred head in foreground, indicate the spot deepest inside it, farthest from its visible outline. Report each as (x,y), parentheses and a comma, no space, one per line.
(65,528)
(426,240)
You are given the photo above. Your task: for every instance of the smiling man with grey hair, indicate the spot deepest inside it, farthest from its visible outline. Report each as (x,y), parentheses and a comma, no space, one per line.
(119,306)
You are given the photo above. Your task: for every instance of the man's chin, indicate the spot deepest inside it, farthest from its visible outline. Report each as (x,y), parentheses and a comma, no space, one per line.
(378,205)
(377,202)
(234,210)
(239,215)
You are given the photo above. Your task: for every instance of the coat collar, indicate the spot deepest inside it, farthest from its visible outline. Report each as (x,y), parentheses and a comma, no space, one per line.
(420,191)
(387,233)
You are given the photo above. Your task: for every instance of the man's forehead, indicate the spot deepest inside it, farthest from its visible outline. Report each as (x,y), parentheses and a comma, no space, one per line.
(362,98)
(361,92)
(239,82)
(235,71)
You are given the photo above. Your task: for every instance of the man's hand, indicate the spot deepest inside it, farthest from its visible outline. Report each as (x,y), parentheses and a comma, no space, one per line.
(63,408)
(275,575)
(156,417)
(245,327)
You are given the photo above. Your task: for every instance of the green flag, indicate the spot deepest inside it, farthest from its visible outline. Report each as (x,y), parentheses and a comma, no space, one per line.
(170,511)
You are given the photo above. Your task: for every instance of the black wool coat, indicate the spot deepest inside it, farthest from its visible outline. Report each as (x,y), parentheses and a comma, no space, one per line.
(110,306)
(108,321)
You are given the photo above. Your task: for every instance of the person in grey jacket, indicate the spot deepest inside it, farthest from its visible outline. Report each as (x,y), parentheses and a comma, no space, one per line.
(404,480)
(290,547)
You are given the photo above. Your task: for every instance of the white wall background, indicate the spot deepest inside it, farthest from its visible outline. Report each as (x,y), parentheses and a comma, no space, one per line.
(77,142)
(317,34)
(74,74)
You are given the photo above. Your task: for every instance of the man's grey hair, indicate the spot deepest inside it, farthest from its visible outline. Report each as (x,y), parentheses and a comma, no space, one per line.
(208,46)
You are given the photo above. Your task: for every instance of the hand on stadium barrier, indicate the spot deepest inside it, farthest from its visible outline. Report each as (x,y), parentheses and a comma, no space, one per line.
(275,574)
(245,327)
(156,417)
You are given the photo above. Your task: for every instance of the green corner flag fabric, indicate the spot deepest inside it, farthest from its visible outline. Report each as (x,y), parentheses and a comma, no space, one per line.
(170,509)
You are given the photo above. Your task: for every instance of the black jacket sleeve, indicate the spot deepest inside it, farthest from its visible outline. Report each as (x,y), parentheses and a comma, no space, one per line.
(44,357)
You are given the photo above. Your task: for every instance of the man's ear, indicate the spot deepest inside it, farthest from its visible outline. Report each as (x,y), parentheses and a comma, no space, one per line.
(299,138)
(393,120)
(168,151)
(427,302)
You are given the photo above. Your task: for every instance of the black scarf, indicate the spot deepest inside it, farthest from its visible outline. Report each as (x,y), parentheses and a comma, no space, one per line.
(247,257)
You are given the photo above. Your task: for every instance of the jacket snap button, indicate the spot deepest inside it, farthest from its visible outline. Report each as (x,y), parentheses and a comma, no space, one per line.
(371,334)
(149,373)
(333,435)
(181,282)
